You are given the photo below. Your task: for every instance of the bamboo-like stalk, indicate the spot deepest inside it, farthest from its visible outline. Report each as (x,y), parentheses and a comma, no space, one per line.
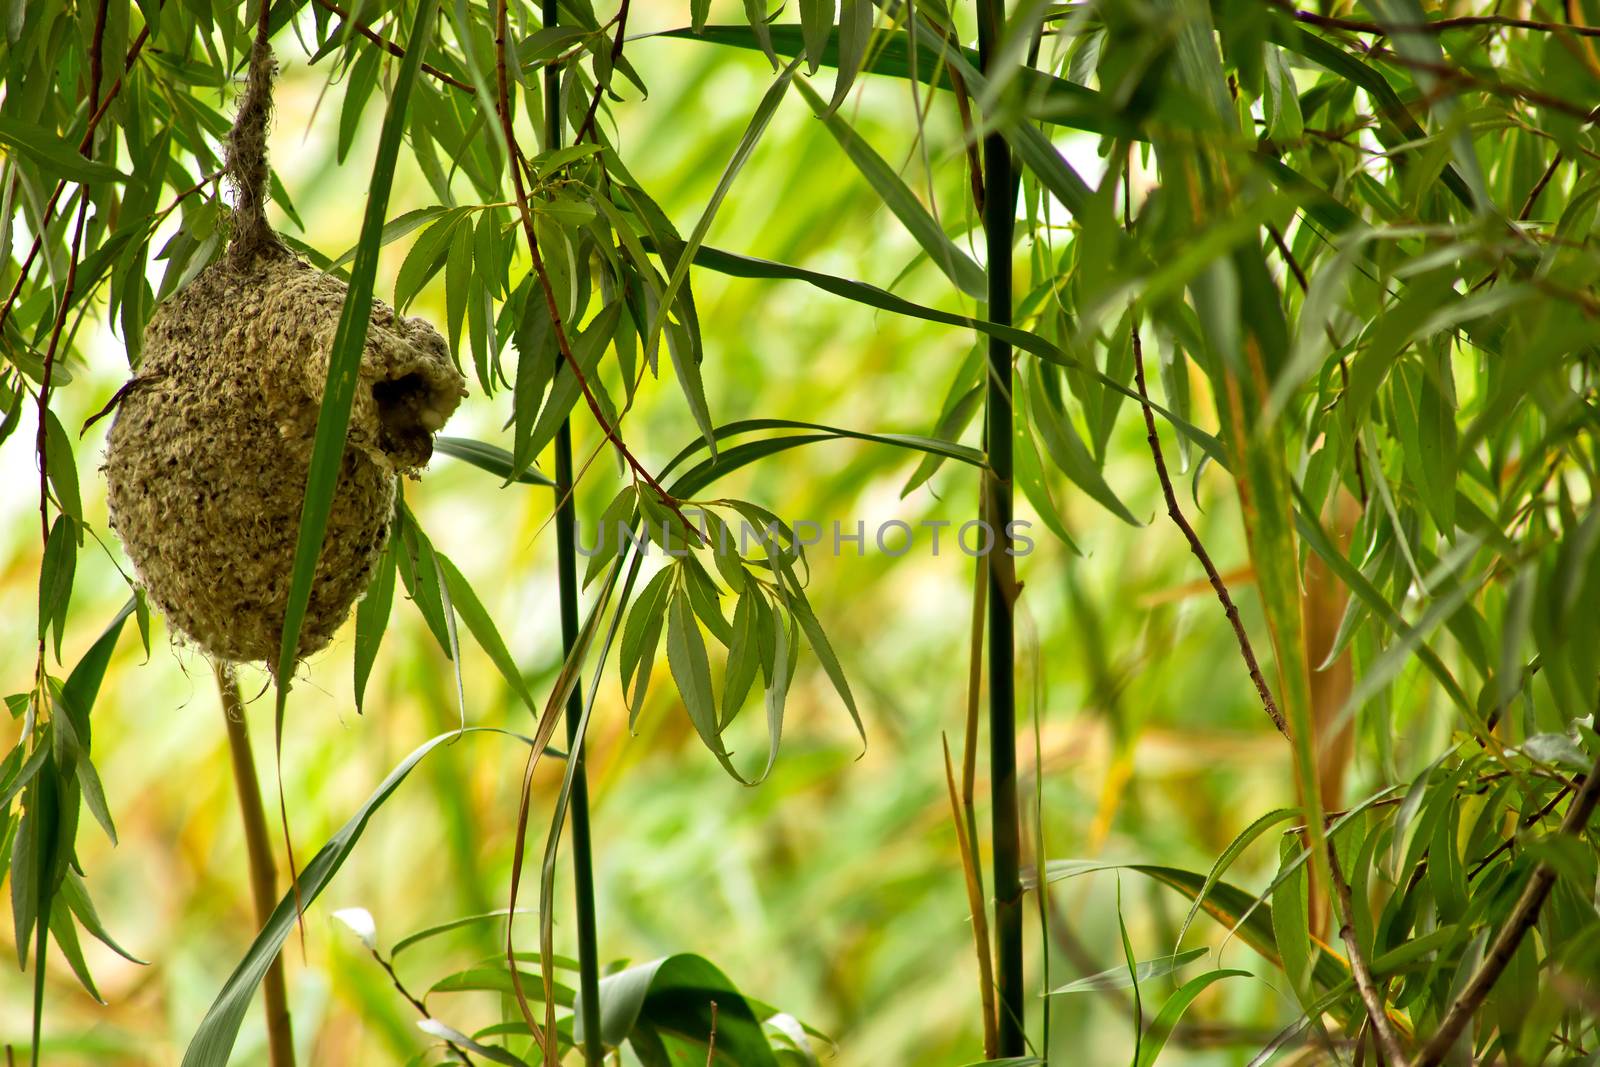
(567,574)
(999,221)
(258,848)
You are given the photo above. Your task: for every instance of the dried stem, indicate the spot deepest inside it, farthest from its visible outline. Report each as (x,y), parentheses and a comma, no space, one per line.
(263,874)
(1523,915)
(1388,1043)
(1176,513)
(978,910)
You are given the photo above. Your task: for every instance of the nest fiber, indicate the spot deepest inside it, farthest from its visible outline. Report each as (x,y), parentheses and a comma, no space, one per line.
(208,456)
(207,460)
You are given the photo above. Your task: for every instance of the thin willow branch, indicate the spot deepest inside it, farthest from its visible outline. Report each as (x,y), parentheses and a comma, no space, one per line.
(525,213)
(1460,22)
(1388,1043)
(599,89)
(258,850)
(1523,915)
(85,145)
(415,1002)
(393,49)
(1176,513)
(1479,867)
(42,439)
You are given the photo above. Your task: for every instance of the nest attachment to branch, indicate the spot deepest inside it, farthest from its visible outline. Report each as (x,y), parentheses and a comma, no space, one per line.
(207,461)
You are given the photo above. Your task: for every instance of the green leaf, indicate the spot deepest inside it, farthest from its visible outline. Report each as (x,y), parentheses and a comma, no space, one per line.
(818,640)
(587,348)
(816,24)
(358,86)
(399,227)
(639,640)
(55,579)
(213,1040)
(688,370)
(691,670)
(1290,928)
(898,198)
(344,360)
(1122,978)
(740,266)
(435,930)
(57,157)
(372,618)
(675,994)
(491,458)
(743,655)
(1246,838)
(1166,1021)
(1067,450)
(469,607)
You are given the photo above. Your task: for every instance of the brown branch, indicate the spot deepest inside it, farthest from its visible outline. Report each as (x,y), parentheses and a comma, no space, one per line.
(415,1002)
(1479,867)
(84,146)
(1384,1038)
(1462,22)
(1539,186)
(1523,915)
(393,49)
(42,438)
(525,212)
(599,89)
(1176,513)
(263,875)
(1449,72)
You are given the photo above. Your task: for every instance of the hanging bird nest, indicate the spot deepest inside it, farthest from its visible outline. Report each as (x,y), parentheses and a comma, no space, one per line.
(207,459)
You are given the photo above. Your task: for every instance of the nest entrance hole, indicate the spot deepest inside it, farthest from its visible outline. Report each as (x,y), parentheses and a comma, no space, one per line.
(411,408)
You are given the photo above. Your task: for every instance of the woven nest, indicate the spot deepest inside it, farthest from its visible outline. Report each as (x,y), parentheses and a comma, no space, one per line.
(207,460)
(208,456)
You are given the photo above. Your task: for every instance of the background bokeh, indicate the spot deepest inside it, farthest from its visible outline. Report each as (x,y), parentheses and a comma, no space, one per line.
(834,889)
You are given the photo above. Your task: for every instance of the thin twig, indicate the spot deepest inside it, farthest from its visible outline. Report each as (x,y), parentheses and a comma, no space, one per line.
(258,850)
(393,49)
(1461,22)
(711,1039)
(84,146)
(1176,513)
(1539,186)
(1479,867)
(422,1008)
(1388,1043)
(558,326)
(1450,72)
(599,89)
(1523,915)
(42,438)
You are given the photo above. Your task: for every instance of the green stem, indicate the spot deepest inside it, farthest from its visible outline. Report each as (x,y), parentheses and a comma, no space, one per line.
(999,211)
(567,568)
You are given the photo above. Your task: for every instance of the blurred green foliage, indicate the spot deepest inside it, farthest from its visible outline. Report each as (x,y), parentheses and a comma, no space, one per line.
(1360,255)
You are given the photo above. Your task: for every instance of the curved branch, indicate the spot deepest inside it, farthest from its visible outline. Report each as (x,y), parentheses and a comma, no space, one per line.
(1523,915)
